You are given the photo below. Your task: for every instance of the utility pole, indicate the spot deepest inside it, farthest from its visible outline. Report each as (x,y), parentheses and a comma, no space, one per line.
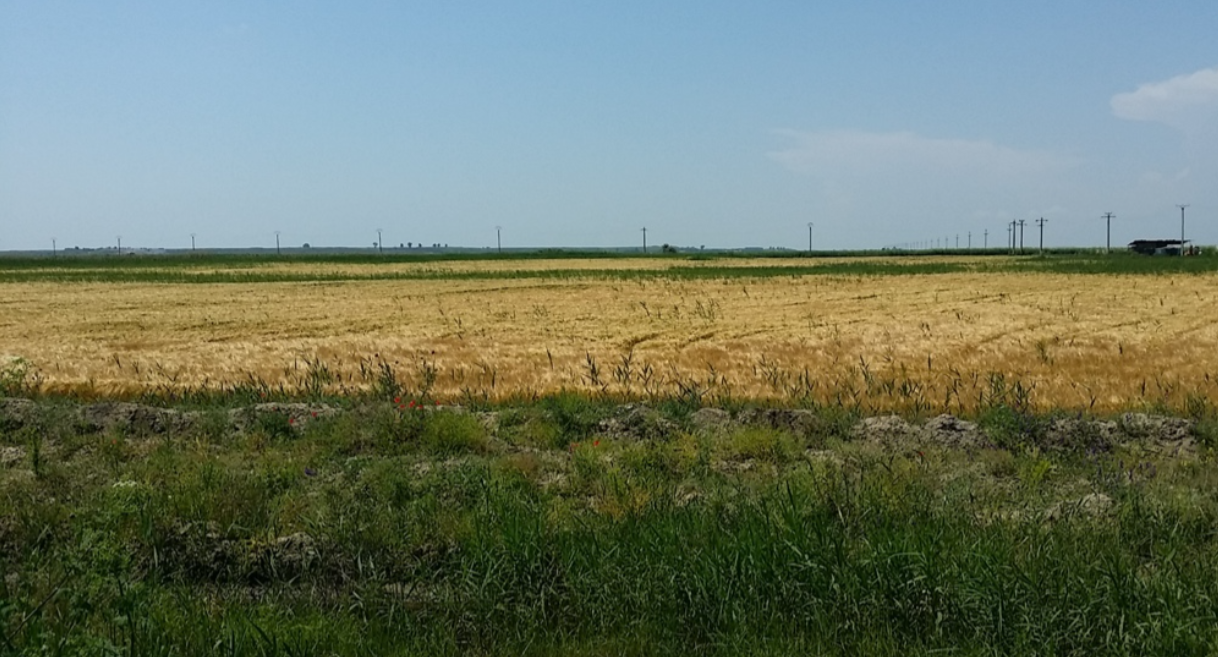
(192,242)
(1011,236)
(957,240)
(1182,227)
(644,239)
(1021,223)
(809,239)
(985,244)
(1109,216)
(380,243)
(1041,222)
(54,250)
(277,243)
(120,244)
(970,240)
(499,239)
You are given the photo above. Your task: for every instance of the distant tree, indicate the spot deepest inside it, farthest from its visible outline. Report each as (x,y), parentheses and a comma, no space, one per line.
(665,248)
(305,245)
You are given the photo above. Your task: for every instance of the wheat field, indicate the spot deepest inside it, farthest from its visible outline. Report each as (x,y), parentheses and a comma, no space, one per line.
(919,342)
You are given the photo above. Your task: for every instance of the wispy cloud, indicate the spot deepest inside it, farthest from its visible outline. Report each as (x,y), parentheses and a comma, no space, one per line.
(1186,102)
(837,153)
(879,181)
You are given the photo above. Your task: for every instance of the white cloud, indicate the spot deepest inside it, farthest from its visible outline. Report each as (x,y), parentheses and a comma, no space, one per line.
(1185,102)
(838,153)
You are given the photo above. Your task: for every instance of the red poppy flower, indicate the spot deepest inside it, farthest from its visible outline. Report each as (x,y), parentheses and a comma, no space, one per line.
(291,420)
(397,400)
(596,443)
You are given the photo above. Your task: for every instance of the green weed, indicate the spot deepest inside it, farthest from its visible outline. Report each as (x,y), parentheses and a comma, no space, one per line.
(401,531)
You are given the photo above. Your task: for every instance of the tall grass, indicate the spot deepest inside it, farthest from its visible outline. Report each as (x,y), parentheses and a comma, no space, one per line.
(425,532)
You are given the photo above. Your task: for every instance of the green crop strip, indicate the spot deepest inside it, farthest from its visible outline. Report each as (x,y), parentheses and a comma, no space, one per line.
(248,269)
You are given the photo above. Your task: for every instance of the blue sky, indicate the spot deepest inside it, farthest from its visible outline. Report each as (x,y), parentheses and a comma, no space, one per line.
(577,123)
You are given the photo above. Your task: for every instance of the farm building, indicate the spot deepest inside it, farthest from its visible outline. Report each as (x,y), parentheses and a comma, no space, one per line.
(1160,247)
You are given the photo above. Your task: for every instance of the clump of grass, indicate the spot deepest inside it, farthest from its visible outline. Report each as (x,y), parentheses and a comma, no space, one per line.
(275,426)
(531,427)
(761,444)
(576,415)
(448,433)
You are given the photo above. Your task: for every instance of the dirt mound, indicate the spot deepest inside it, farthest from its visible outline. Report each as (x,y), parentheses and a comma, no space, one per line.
(885,430)
(134,418)
(797,421)
(710,419)
(943,430)
(1078,433)
(295,414)
(637,421)
(1102,435)
(1156,427)
(951,431)
(17,413)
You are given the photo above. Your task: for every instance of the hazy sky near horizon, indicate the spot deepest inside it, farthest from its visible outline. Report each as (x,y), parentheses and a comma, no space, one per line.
(723,124)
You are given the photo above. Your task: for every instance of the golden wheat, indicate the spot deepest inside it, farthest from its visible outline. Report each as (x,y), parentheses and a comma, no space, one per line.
(938,341)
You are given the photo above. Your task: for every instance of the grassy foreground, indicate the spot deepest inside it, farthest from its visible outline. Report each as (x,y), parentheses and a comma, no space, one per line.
(569,527)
